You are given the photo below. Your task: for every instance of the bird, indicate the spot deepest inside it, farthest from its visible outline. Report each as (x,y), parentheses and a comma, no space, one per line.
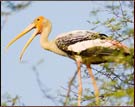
(83,46)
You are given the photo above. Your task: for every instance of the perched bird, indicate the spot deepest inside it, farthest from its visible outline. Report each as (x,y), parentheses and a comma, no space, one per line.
(83,46)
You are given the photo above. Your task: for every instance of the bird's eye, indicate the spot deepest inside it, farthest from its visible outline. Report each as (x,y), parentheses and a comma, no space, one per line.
(38,19)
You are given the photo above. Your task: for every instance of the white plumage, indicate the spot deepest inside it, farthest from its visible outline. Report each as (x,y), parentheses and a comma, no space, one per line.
(84,46)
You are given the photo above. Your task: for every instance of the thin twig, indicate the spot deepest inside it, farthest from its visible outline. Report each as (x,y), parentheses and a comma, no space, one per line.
(40,84)
(75,93)
(69,88)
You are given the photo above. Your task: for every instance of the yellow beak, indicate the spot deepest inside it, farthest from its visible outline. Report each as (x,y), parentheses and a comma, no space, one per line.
(26,30)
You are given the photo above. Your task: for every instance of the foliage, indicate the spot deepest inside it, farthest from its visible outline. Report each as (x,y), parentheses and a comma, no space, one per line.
(10,7)
(7,100)
(7,8)
(115,80)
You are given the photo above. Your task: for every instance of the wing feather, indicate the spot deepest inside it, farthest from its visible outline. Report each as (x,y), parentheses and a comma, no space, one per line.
(65,40)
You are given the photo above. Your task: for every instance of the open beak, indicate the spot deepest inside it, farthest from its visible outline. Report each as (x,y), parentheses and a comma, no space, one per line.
(26,30)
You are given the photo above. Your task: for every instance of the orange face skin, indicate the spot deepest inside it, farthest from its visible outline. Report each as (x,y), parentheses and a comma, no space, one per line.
(40,22)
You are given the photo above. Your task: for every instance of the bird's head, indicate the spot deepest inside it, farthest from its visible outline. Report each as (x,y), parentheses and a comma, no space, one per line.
(38,24)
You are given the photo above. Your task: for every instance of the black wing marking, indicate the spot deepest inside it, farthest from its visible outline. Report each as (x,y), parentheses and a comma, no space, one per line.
(71,38)
(103,36)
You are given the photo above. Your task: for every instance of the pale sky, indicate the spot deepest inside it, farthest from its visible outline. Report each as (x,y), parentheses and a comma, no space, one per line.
(19,78)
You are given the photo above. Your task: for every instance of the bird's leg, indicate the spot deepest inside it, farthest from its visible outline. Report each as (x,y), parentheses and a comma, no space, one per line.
(96,91)
(80,82)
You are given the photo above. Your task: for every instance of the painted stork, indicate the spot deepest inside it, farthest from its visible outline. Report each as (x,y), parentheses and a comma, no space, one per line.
(83,46)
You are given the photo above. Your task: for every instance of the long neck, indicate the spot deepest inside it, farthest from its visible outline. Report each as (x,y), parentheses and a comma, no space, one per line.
(49,45)
(45,33)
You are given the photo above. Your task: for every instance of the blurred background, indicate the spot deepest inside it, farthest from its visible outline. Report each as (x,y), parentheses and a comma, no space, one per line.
(44,78)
